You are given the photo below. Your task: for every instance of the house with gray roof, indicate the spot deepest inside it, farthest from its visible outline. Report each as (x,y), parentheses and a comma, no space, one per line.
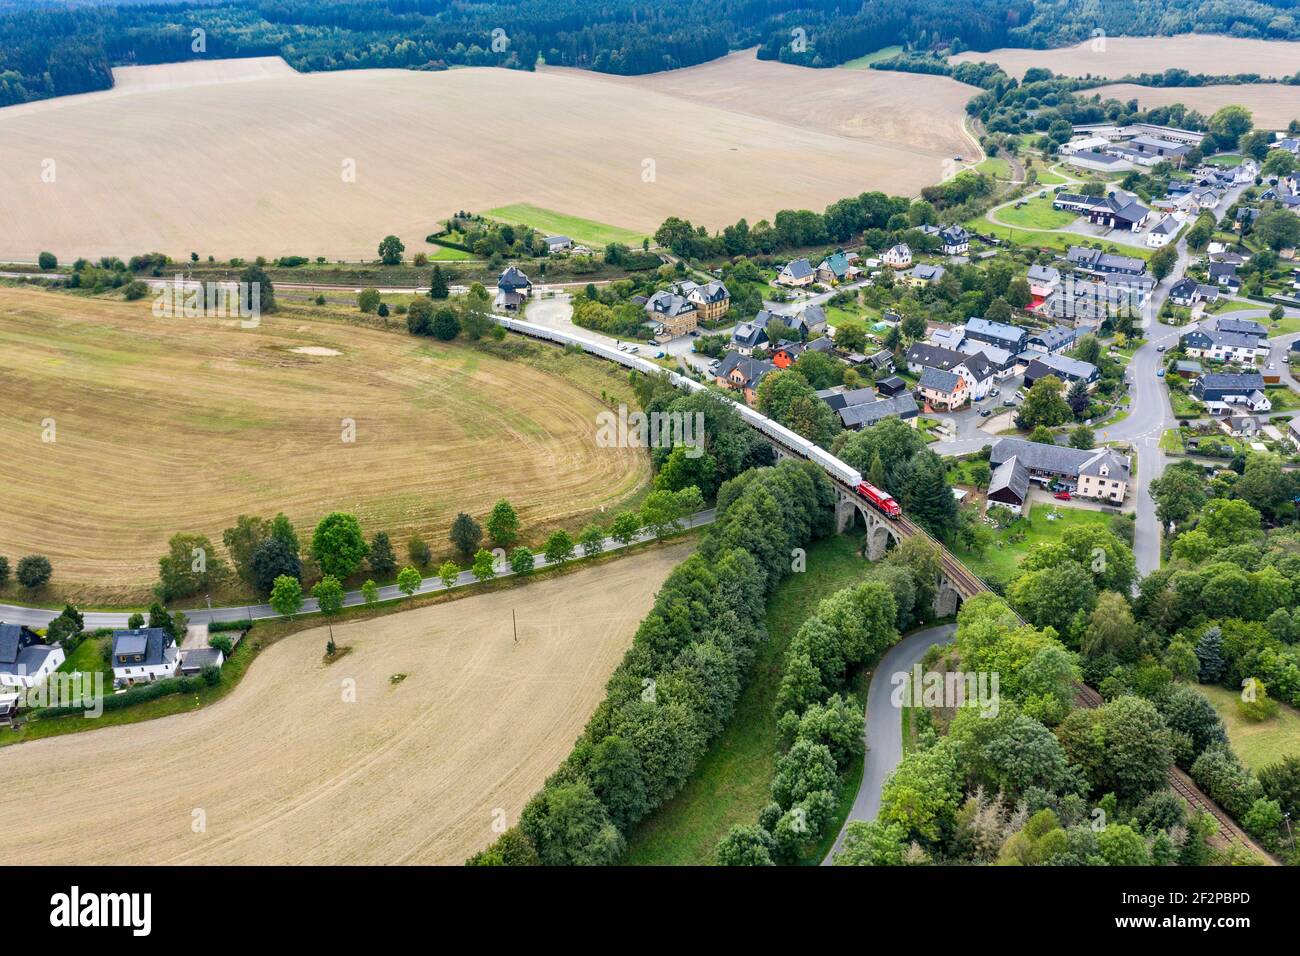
(1010,337)
(1096,261)
(943,390)
(796,272)
(193,660)
(902,406)
(143,655)
(1223,346)
(1068,370)
(25,660)
(1058,338)
(744,374)
(513,289)
(1100,473)
(748,336)
(955,240)
(1222,392)
(1009,485)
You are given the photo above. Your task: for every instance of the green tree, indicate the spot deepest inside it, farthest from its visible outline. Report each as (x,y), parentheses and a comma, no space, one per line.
(282,530)
(445,325)
(190,566)
(47,261)
(661,512)
(1229,124)
(449,574)
(242,540)
(1083,438)
(928,498)
(418,550)
(286,596)
(370,591)
(260,290)
(338,546)
(592,540)
(626,527)
(368,300)
(1178,493)
(1278,229)
(570,827)
(1043,405)
(34,571)
(273,558)
(408,580)
(390,250)
(419,317)
(1162,262)
(559,548)
(381,559)
(745,845)
(485,566)
(438,287)
(465,534)
(521,560)
(503,524)
(329,595)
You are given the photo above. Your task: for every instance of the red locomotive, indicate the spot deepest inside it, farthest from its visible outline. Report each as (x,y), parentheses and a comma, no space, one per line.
(882,501)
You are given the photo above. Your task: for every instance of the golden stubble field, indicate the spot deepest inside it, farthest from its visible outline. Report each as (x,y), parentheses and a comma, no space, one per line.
(1117,57)
(241,160)
(172,424)
(1272,105)
(284,771)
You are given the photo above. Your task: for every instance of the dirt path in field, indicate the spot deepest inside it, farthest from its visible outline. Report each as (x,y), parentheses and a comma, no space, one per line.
(283,770)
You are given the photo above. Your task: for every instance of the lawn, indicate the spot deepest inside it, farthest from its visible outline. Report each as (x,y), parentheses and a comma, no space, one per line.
(1257,744)
(597,235)
(1172,441)
(1000,561)
(88,659)
(995,166)
(1282,398)
(1035,214)
(448,254)
(732,781)
(864,62)
(1048,178)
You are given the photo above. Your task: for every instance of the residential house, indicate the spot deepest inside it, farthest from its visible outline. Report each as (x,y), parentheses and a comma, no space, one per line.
(975,370)
(1223,392)
(1003,362)
(746,337)
(796,273)
(513,289)
(948,337)
(1186,292)
(923,274)
(1119,211)
(786,353)
(25,660)
(1096,261)
(1067,369)
(840,397)
(810,321)
(1224,346)
(902,406)
(955,240)
(899,256)
(1293,432)
(744,374)
(1043,281)
(838,267)
(1099,473)
(1242,327)
(1010,337)
(558,243)
(943,390)
(1240,426)
(1163,232)
(143,655)
(675,312)
(1058,338)
(711,300)
(1224,274)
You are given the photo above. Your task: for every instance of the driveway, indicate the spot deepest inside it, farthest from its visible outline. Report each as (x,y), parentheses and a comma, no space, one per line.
(884,723)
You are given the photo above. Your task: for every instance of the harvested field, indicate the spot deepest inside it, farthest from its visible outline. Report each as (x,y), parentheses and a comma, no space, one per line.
(925,112)
(1273,105)
(1117,57)
(286,772)
(172,424)
(261,166)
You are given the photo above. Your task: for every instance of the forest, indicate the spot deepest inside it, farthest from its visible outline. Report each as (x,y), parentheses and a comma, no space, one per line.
(53,51)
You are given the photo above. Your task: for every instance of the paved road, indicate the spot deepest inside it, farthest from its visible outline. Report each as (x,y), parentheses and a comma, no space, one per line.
(40,617)
(884,723)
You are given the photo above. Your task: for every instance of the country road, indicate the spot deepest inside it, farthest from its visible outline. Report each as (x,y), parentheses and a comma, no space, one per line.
(884,723)
(40,617)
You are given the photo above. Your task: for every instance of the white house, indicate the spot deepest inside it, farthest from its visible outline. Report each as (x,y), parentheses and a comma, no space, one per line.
(24,660)
(796,273)
(143,655)
(1163,232)
(899,257)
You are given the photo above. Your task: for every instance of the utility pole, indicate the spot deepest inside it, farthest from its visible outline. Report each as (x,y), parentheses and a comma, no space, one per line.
(514,623)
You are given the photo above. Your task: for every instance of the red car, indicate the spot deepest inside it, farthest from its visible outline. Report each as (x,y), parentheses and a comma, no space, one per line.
(1062,496)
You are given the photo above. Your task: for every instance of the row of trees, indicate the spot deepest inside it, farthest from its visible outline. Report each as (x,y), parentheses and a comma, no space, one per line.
(675,689)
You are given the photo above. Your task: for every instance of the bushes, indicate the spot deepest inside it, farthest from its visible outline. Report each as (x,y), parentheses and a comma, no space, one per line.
(138,694)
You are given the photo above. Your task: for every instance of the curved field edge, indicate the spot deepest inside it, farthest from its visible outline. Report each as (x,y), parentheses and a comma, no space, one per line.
(168,425)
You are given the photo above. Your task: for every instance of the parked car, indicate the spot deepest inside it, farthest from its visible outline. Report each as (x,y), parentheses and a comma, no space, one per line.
(985,413)
(1062,496)
(995,392)
(1160,373)
(1160,348)
(1009,402)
